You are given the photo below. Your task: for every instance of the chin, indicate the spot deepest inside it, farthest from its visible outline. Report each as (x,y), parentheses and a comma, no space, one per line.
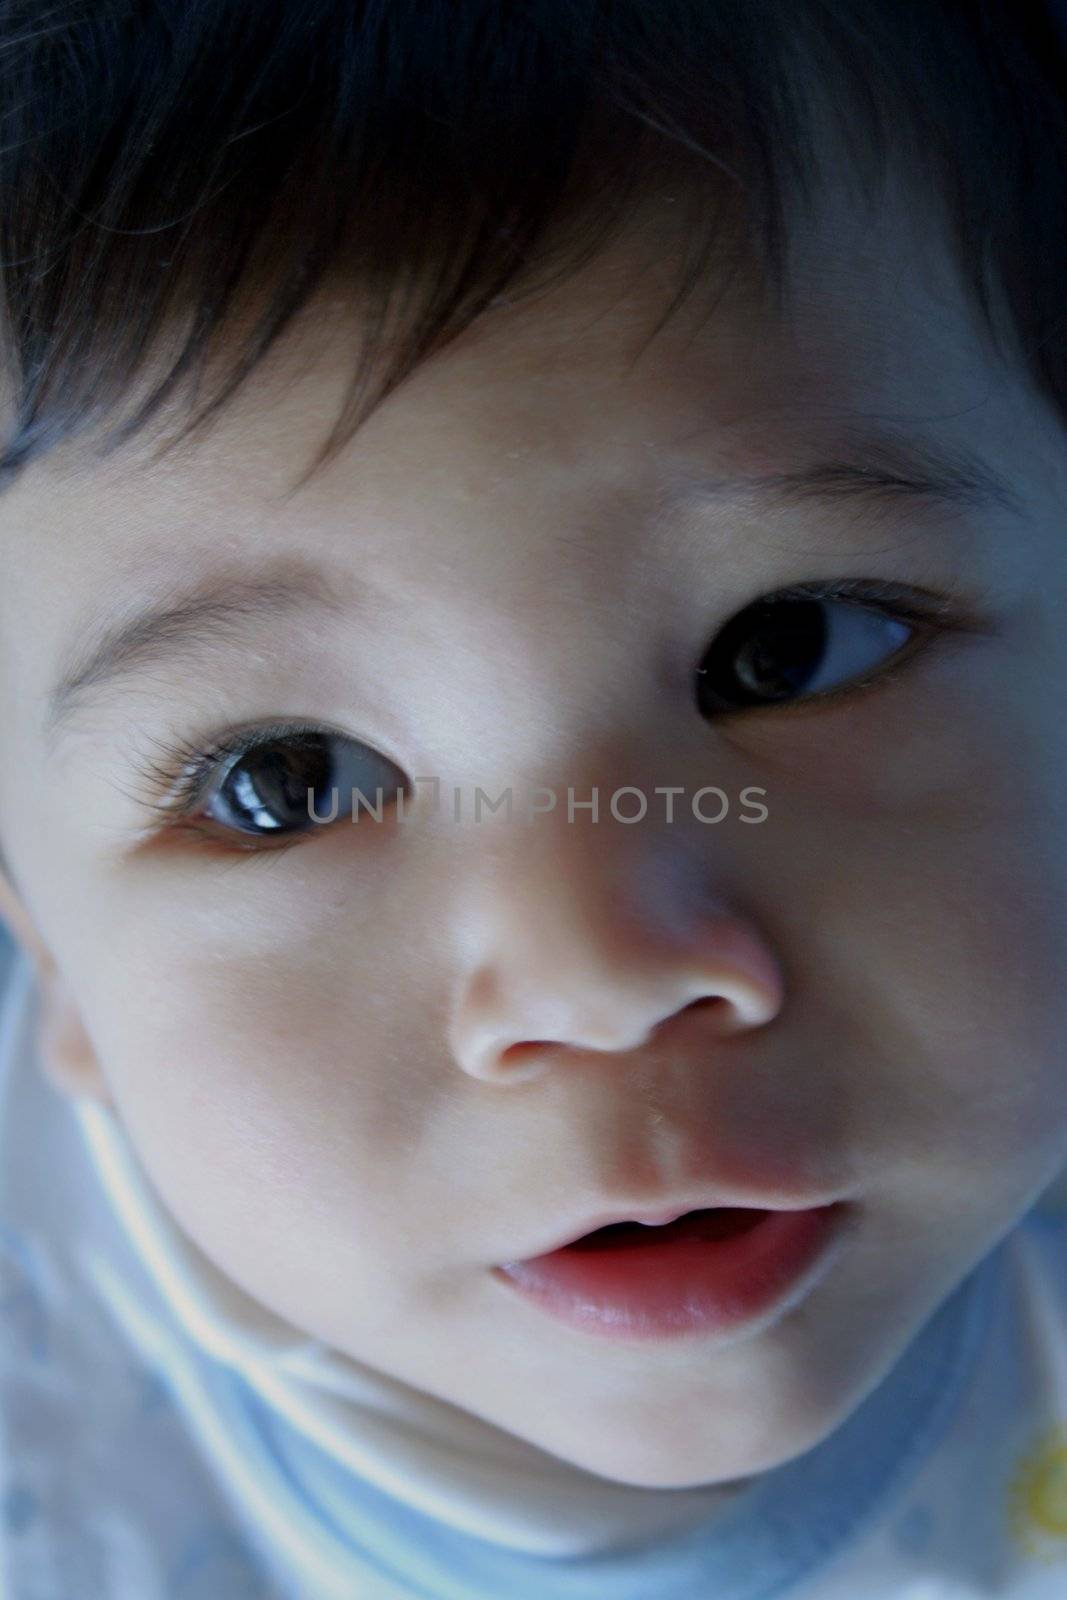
(663,1460)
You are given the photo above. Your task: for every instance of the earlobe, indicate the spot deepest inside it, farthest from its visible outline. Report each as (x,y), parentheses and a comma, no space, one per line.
(67,1055)
(17,920)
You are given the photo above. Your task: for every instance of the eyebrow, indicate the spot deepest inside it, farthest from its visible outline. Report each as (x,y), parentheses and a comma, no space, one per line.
(880,466)
(183,627)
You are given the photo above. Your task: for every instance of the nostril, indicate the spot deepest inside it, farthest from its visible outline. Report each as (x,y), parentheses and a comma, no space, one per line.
(518,1055)
(719,1013)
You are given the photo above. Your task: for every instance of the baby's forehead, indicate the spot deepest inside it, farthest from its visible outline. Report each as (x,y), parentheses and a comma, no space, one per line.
(872,299)
(876,356)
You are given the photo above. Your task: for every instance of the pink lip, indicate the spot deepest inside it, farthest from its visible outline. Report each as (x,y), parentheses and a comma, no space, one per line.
(672,1286)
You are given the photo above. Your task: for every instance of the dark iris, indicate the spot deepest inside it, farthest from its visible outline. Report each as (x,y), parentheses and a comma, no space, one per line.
(274,778)
(769,652)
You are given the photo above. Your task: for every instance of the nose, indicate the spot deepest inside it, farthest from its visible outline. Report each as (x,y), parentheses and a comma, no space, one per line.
(599,946)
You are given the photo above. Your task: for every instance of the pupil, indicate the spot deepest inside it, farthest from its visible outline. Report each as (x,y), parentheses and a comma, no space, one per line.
(769,652)
(273,781)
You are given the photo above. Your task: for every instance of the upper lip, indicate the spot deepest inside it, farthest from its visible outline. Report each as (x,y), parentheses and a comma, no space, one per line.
(668,1212)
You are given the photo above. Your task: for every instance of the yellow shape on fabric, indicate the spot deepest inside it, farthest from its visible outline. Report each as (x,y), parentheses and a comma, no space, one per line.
(1037,1497)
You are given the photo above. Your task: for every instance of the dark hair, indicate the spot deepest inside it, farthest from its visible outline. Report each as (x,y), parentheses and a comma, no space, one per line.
(203,165)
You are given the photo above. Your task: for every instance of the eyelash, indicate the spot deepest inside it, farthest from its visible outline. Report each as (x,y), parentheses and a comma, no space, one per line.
(902,600)
(174,784)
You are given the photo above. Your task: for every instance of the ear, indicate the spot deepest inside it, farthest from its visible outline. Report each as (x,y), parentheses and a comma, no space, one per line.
(66,1053)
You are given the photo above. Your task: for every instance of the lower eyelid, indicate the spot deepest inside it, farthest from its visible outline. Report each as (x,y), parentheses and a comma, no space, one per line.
(187,834)
(897,666)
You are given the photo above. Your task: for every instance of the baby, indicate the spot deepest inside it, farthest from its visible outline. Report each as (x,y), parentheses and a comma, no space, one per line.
(534,801)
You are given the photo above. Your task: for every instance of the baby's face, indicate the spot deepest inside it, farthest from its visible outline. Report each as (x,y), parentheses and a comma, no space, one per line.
(368,1067)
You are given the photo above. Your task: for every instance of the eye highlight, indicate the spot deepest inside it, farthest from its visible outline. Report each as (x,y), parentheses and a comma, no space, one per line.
(810,641)
(270,783)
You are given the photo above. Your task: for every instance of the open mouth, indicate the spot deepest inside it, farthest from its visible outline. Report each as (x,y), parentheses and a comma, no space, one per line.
(706,1272)
(714,1222)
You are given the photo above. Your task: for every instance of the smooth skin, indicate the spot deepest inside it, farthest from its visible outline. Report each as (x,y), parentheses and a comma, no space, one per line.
(363,1070)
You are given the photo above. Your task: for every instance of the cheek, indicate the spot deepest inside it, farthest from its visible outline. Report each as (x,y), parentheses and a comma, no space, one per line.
(268,1108)
(914,874)
(936,963)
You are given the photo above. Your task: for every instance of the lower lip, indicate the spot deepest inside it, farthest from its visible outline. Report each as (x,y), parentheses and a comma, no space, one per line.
(673,1287)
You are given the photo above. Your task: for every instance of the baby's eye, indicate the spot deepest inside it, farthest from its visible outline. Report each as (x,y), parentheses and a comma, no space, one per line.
(786,647)
(277,782)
